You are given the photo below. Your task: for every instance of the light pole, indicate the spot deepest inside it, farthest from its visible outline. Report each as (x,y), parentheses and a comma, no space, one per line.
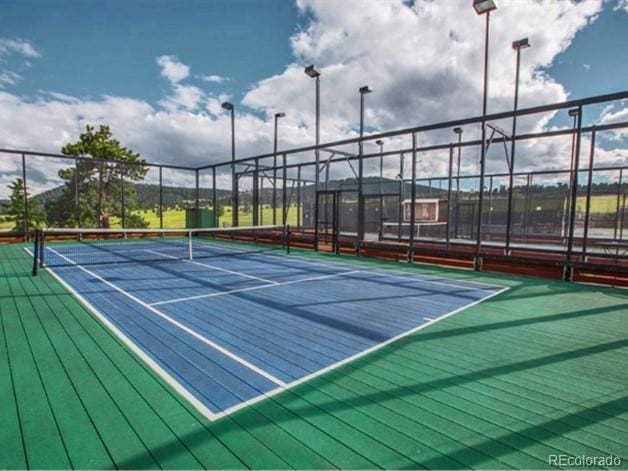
(314,73)
(234,183)
(459,132)
(277,116)
(517,46)
(483,7)
(380,143)
(361,210)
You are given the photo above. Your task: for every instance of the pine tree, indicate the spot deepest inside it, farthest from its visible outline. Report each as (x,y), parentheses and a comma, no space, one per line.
(99,183)
(16,208)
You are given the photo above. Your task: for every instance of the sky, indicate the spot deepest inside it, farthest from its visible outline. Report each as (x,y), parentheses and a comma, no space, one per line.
(156,71)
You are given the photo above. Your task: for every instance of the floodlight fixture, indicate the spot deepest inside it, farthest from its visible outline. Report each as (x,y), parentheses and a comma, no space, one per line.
(280,115)
(458,130)
(365,89)
(312,71)
(521,44)
(483,6)
(573,112)
(379,142)
(227,106)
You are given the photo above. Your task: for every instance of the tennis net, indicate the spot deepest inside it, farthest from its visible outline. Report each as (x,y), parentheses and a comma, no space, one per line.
(54,247)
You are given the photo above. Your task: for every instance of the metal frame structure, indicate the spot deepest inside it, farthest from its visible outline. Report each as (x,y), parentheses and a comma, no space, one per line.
(291,167)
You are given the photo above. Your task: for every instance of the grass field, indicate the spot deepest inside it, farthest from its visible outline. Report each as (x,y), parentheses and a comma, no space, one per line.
(175,218)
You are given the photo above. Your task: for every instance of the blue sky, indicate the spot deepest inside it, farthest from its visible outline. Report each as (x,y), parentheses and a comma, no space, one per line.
(89,48)
(93,47)
(157,70)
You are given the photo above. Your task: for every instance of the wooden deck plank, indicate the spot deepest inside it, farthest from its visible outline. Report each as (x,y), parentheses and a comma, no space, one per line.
(12,451)
(536,370)
(43,441)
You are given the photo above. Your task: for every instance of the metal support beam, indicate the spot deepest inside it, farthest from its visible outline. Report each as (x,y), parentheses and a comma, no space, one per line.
(122,199)
(197,202)
(161,198)
(255,194)
(587,210)
(574,195)
(451,165)
(412,202)
(298,225)
(26,217)
(100,167)
(214,201)
(76,194)
(284,194)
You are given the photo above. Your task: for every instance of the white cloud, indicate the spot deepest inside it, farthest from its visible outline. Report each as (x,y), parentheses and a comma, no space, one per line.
(424,63)
(609,116)
(17,46)
(8,77)
(186,97)
(622,5)
(12,47)
(212,78)
(172,69)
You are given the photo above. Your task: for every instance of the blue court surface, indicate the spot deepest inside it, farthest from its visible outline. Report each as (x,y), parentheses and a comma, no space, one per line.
(234,328)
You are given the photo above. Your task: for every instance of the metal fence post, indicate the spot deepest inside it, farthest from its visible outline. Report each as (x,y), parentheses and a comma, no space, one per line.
(197,202)
(412,202)
(214,202)
(298,198)
(76,193)
(587,211)
(255,194)
(161,198)
(617,214)
(284,192)
(574,194)
(451,162)
(26,216)
(122,200)
(100,194)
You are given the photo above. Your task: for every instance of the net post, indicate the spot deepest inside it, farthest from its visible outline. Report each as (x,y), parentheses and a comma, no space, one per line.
(42,242)
(36,252)
(288,239)
(190,254)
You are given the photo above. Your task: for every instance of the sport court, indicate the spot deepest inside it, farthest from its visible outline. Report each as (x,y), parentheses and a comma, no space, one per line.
(237,323)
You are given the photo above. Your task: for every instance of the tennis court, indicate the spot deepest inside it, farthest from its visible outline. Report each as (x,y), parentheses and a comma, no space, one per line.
(228,323)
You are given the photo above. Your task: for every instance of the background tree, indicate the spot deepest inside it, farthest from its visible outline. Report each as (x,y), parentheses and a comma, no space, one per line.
(99,183)
(16,209)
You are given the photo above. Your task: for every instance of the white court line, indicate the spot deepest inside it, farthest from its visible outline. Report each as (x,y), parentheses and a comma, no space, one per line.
(181,326)
(365,268)
(214,267)
(252,288)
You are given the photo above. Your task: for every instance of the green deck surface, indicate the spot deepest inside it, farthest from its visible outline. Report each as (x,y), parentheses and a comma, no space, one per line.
(539,370)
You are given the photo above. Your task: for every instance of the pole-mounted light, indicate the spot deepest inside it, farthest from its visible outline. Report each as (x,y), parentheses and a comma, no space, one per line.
(312,71)
(521,44)
(483,6)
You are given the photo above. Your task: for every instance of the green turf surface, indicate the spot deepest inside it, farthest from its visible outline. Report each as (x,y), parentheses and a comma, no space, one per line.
(536,371)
